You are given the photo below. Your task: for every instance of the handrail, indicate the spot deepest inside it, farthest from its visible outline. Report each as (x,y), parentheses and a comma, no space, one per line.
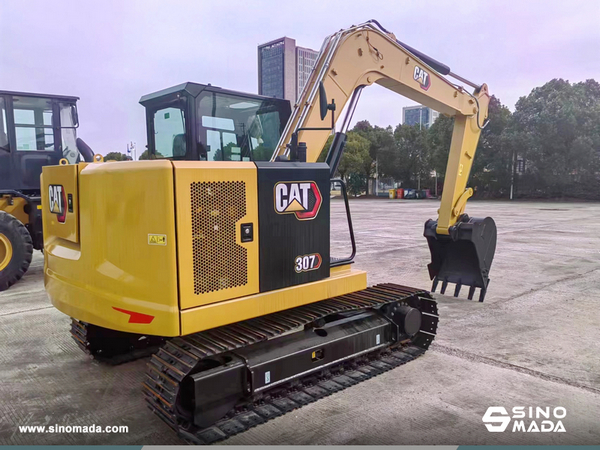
(349,259)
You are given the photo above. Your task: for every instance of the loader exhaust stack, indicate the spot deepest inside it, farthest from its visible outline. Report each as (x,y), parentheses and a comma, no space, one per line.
(464,257)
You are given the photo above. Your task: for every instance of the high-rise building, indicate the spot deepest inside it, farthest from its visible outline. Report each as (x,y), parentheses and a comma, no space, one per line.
(305,62)
(283,68)
(419,115)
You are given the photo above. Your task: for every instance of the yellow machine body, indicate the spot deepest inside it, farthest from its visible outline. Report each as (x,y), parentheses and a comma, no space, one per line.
(123,258)
(15,206)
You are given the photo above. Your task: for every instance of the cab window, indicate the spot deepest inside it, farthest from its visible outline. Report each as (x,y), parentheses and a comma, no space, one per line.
(169,133)
(33,123)
(234,128)
(68,133)
(221,141)
(3,127)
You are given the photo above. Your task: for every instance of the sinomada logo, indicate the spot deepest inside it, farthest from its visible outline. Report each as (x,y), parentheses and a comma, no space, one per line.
(301,198)
(526,419)
(57,201)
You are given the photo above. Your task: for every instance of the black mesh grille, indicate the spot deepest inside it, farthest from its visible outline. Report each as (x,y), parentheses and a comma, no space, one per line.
(219,263)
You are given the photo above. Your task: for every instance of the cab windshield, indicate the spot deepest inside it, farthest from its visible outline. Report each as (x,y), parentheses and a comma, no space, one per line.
(235,128)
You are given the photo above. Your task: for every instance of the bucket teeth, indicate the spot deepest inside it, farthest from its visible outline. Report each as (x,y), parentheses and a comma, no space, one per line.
(444,286)
(457,289)
(482,294)
(471,292)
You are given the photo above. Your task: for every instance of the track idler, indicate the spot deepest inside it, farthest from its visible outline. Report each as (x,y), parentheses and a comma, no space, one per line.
(464,257)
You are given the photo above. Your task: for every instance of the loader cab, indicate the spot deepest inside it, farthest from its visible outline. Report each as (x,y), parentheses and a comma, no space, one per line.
(36,130)
(200,122)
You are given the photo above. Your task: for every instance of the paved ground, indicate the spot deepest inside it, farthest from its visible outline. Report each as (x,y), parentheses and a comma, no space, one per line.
(534,342)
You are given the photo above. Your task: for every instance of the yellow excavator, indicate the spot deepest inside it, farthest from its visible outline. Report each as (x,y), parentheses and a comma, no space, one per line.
(214,255)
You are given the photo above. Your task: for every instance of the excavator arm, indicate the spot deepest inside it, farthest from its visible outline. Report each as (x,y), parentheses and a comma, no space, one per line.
(362,55)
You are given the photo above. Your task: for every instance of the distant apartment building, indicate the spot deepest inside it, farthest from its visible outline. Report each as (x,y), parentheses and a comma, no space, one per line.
(305,62)
(419,115)
(284,69)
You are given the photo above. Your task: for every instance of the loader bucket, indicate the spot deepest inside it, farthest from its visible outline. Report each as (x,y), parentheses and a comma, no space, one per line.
(463,257)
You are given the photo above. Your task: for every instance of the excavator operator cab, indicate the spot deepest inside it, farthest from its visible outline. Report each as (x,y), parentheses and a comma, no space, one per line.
(36,130)
(206,123)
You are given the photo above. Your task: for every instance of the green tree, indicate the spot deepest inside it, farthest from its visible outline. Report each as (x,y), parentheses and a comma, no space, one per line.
(556,131)
(440,136)
(262,153)
(356,161)
(116,156)
(323,156)
(491,171)
(355,184)
(382,146)
(412,162)
(355,151)
(146,155)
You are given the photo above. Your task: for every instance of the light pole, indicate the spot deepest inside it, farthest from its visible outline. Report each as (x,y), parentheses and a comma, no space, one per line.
(131,149)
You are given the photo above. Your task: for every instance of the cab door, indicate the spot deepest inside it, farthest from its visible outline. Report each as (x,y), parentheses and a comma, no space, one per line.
(35,124)
(6,149)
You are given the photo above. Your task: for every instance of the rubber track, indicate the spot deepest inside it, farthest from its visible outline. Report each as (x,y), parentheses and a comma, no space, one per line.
(178,357)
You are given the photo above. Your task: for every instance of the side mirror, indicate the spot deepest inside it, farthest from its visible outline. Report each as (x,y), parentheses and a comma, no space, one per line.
(322,100)
(297,150)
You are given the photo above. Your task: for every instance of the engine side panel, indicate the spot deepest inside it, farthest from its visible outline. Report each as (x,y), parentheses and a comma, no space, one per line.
(122,274)
(215,200)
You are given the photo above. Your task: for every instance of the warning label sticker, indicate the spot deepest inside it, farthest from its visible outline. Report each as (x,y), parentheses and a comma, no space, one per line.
(157,239)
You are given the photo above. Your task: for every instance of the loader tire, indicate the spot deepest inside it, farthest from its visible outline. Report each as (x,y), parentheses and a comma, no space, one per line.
(16,250)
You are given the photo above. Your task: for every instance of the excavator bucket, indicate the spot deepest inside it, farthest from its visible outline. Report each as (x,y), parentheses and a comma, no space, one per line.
(463,257)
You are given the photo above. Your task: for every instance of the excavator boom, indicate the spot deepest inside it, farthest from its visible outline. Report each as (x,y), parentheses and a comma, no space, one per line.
(365,54)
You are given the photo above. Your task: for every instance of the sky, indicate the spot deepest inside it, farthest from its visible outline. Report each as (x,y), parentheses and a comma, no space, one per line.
(110,53)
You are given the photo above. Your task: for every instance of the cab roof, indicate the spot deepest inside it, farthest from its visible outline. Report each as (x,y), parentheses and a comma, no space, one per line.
(31,94)
(194,90)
